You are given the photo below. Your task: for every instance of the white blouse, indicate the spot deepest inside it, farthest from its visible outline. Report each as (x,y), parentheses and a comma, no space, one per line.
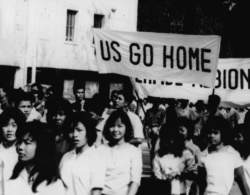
(22,186)
(9,158)
(123,166)
(82,173)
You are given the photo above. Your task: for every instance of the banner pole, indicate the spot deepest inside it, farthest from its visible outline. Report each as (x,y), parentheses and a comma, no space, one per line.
(144,111)
(213,91)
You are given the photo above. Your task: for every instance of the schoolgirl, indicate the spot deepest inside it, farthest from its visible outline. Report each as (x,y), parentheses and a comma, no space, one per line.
(11,122)
(173,164)
(36,170)
(220,163)
(123,160)
(82,169)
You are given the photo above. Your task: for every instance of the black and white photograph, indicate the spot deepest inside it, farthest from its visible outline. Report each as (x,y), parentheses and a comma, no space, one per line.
(124,97)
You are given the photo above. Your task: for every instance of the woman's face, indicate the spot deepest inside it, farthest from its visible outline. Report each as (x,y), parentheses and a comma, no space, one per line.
(59,118)
(79,135)
(214,137)
(183,132)
(120,101)
(239,139)
(9,130)
(117,130)
(26,148)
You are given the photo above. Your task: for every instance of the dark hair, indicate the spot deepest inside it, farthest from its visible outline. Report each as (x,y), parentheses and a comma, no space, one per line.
(23,96)
(86,119)
(45,167)
(57,104)
(166,135)
(221,124)
(243,149)
(183,121)
(199,105)
(118,114)
(78,86)
(95,104)
(128,97)
(39,90)
(169,142)
(213,101)
(12,113)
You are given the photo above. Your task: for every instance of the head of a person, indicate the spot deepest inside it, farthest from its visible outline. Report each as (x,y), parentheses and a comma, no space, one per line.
(218,131)
(241,139)
(199,106)
(113,95)
(37,91)
(58,109)
(184,103)
(166,135)
(123,99)
(25,103)
(3,92)
(185,128)
(79,92)
(118,127)
(169,141)
(49,93)
(36,149)
(81,131)
(155,102)
(11,122)
(213,103)
(95,106)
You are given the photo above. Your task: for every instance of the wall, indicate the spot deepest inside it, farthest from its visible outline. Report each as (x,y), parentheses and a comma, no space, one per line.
(33,32)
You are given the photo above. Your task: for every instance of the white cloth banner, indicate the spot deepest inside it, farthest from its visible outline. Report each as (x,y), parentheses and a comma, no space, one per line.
(233,81)
(171,57)
(232,84)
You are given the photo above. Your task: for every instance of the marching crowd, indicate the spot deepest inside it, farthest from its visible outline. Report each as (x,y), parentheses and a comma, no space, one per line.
(51,146)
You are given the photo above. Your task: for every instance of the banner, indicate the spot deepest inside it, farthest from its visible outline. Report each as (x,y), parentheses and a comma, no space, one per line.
(167,57)
(232,84)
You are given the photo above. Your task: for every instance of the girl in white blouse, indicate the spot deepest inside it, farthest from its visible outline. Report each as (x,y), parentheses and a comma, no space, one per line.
(123,161)
(36,169)
(11,121)
(82,169)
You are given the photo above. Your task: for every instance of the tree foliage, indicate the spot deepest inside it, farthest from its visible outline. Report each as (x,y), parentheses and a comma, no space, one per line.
(227,18)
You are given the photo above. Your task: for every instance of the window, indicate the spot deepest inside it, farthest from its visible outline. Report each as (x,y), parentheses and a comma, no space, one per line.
(70,26)
(98,20)
(98,23)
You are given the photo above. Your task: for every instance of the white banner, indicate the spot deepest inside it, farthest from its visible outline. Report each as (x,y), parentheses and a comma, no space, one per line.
(233,81)
(168,57)
(232,84)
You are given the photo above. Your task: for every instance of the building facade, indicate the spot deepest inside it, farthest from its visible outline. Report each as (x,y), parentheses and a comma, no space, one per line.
(51,41)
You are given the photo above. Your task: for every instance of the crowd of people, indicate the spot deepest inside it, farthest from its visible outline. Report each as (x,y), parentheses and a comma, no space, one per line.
(49,145)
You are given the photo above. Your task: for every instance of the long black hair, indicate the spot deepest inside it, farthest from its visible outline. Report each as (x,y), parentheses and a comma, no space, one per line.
(118,114)
(45,167)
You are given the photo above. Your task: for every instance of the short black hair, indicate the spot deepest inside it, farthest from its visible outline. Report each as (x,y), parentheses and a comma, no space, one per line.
(183,121)
(77,86)
(58,104)
(221,124)
(16,115)
(23,96)
(89,123)
(128,96)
